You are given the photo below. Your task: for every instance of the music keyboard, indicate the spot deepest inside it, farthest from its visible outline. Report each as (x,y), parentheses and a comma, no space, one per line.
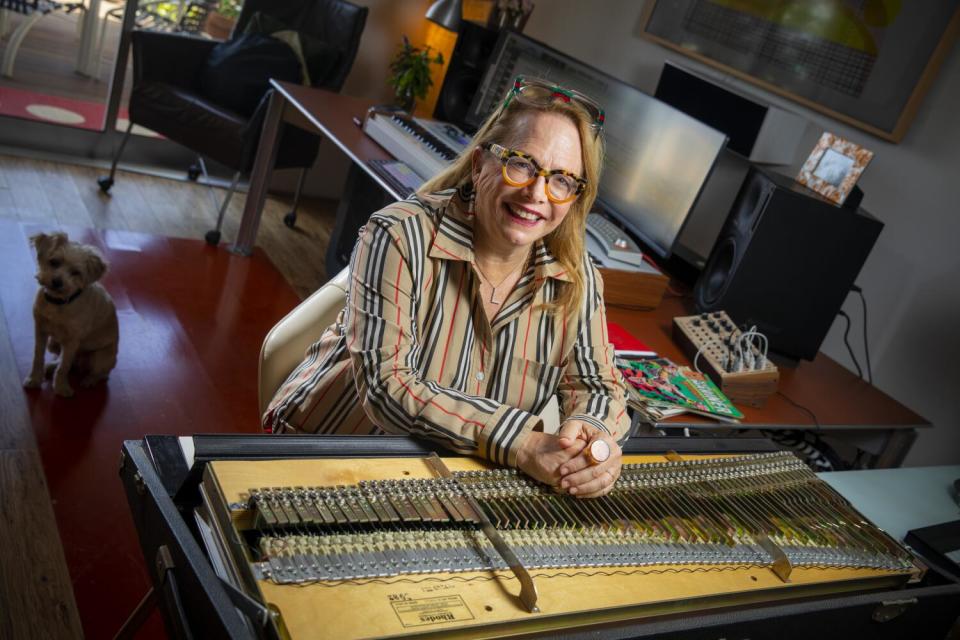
(426,146)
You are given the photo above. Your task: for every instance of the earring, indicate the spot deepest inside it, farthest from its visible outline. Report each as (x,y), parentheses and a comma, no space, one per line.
(469,195)
(472,204)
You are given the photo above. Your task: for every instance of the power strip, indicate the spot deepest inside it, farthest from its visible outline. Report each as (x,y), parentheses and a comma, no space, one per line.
(749,379)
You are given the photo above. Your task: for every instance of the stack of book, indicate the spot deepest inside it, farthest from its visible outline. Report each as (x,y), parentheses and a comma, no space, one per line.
(659,388)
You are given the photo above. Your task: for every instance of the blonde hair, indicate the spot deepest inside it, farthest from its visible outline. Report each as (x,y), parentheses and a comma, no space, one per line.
(565,242)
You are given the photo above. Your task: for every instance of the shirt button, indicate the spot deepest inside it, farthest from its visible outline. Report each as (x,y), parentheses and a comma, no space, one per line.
(480,375)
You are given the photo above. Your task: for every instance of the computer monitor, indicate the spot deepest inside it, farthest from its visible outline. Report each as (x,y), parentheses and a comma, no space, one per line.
(657,157)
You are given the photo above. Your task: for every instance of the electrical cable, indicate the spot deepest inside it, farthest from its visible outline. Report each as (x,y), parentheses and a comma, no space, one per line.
(671,292)
(846,341)
(866,344)
(702,350)
(801,407)
(739,353)
(749,341)
(812,449)
(741,362)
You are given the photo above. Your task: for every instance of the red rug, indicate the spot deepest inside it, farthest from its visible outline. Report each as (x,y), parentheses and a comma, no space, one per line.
(192,319)
(46,108)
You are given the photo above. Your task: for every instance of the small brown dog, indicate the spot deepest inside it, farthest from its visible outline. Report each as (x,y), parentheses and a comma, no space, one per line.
(73,314)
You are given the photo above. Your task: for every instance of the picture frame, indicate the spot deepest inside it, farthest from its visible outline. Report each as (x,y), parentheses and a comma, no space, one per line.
(868,65)
(833,167)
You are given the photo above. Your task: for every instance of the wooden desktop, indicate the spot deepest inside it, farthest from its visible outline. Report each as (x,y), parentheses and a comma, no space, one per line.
(820,395)
(843,404)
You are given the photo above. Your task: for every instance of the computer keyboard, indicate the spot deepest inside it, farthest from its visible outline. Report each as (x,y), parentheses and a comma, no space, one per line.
(614,242)
(398,175)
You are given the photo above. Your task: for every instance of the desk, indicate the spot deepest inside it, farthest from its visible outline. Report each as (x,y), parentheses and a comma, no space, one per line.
(332,115)
(898,500)
(844,405)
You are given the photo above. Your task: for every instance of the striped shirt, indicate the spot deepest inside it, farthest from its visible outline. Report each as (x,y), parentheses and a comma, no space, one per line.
(414,353)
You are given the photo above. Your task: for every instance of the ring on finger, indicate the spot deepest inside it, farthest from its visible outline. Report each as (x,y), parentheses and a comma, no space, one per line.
(598,451)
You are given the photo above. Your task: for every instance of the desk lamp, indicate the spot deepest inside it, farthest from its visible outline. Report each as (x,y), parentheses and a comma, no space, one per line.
(446,13)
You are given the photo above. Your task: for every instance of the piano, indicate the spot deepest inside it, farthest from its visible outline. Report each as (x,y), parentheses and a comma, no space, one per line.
(369,537)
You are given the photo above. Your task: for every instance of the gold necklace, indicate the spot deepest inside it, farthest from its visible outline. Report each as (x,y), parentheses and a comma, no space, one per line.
(493,293)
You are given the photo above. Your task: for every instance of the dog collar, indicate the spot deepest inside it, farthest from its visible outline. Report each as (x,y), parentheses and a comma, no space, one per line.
(58,301)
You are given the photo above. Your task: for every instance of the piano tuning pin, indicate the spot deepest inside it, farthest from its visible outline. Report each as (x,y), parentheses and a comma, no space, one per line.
(440,532)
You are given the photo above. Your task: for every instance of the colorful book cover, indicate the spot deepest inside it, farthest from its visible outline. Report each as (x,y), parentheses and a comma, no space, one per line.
(662,381)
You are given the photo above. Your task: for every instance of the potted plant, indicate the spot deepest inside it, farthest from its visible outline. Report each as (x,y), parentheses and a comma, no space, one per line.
(220,22)
(410,73)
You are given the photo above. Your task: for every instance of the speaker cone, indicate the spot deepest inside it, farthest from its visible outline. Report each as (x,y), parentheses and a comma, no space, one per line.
(457,95)
(713,280)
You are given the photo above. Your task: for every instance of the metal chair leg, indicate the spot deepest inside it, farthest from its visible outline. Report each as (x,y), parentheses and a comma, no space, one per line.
(213,236)
(103,34)
(106,182)
(16,39)
(83,11)
(291,218)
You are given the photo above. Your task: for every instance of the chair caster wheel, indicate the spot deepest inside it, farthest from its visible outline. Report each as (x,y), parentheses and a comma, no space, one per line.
(193,172)
(212,237)
(105,183)
(290,219)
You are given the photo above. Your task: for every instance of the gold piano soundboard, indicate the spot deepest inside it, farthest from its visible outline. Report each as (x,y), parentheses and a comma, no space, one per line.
(386,547)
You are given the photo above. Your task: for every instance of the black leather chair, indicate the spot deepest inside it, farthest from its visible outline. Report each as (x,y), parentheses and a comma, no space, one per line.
(166,96)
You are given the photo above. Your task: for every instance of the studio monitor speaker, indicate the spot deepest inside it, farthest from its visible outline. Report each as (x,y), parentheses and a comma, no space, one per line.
(785,261)
(468,62)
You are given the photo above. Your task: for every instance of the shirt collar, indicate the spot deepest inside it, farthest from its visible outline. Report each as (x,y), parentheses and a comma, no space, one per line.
(453,239)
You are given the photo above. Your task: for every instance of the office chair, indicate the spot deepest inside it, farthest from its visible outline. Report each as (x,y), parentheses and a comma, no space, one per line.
(286,343)
(167,97)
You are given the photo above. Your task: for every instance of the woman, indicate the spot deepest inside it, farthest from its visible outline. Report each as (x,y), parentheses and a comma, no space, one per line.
(473,302)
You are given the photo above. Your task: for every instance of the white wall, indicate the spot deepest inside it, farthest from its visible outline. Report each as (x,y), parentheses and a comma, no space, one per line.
(387,22)
(911,277)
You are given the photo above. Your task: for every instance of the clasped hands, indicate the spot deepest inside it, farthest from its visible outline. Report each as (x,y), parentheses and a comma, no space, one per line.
(562,461)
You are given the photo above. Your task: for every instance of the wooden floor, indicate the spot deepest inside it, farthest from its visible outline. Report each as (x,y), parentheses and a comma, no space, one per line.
(175,360)
(41,191)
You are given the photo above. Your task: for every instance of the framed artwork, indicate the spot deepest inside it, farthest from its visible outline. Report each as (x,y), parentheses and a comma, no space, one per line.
(864,62)
(834,166)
